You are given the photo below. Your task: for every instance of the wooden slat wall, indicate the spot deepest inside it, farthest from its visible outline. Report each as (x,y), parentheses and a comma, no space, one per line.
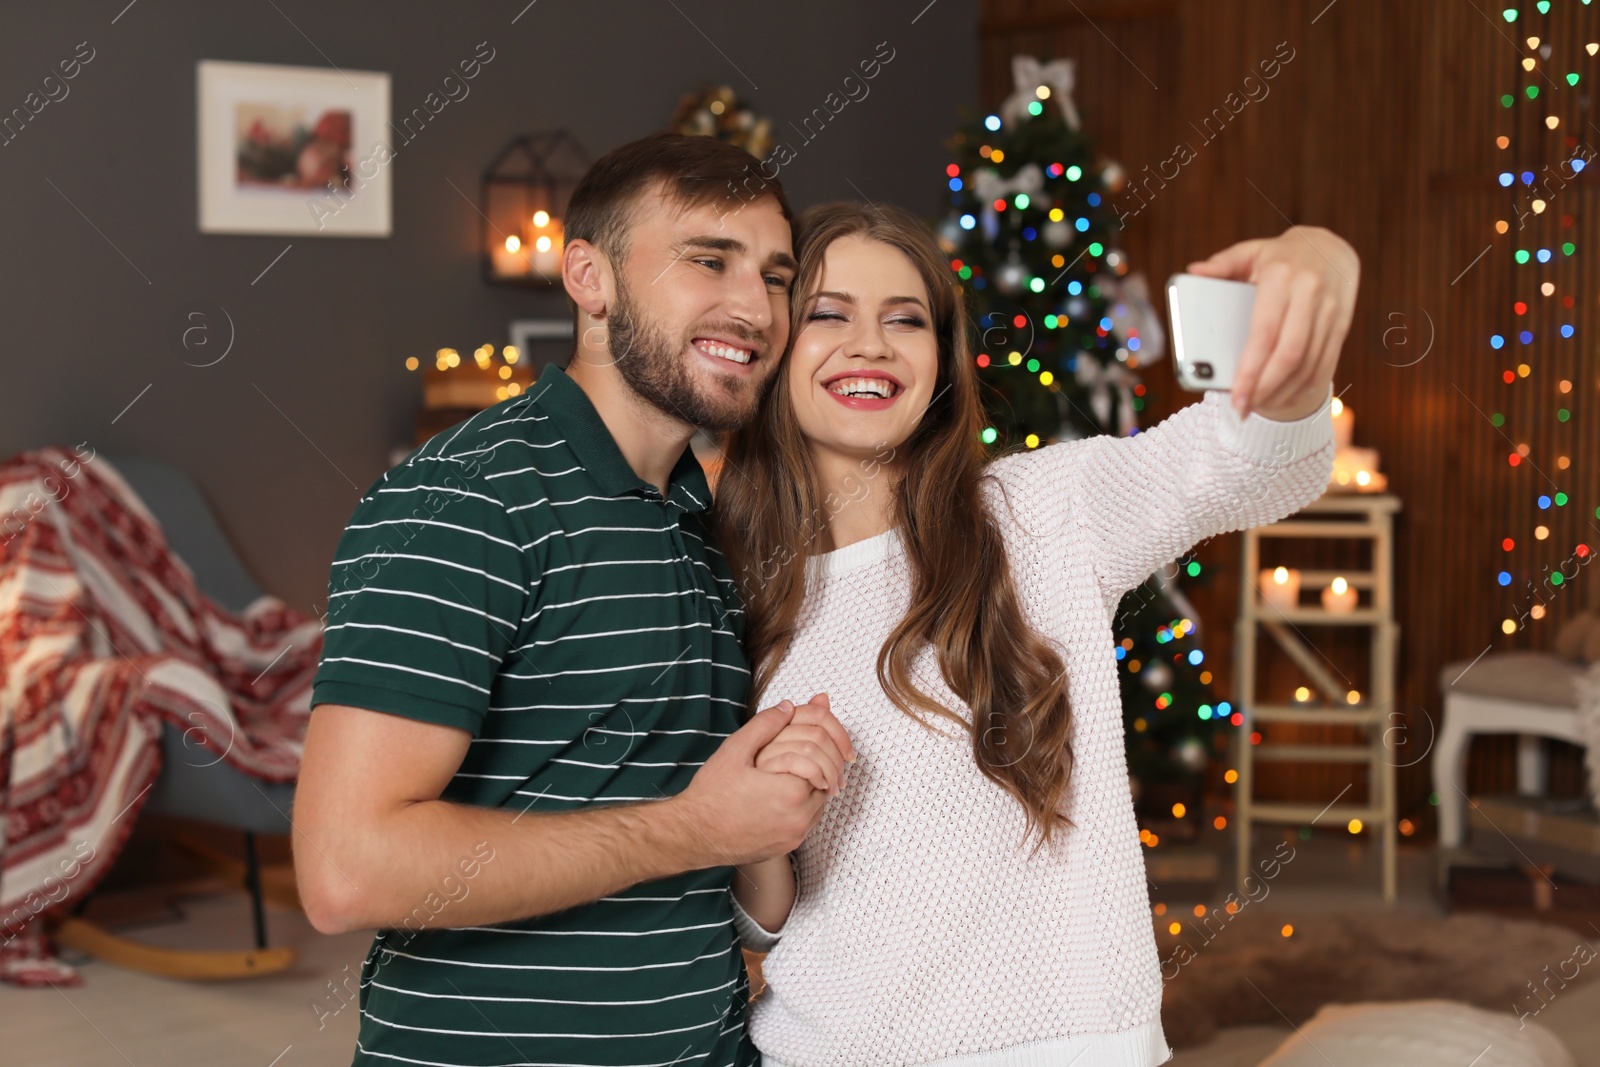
(1382,127)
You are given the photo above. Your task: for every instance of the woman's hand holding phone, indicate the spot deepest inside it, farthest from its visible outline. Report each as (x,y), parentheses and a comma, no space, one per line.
(1306,281)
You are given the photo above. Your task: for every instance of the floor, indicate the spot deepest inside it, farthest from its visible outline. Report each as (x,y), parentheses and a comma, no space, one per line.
(304,1017)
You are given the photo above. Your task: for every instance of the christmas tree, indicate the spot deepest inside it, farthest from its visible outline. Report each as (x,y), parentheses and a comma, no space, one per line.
(1063,329)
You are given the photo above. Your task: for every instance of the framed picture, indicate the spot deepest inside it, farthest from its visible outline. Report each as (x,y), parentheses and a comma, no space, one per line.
(542,341)
(293,150)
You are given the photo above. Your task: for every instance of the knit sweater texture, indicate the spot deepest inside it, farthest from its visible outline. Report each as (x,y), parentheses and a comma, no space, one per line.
(923,931)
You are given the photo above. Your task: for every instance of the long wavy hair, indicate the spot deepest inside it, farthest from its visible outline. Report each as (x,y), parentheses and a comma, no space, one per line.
(964,603)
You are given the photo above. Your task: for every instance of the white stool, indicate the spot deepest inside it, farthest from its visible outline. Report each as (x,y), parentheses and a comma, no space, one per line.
(1530,694)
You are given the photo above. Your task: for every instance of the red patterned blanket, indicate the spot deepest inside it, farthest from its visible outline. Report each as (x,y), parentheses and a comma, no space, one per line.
(103,638)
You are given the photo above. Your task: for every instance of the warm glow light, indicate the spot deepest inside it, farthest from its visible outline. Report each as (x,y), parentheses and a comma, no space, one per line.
(513,243)
(1174,928)
(510,354)
(411,363)
(541,219)
(1161,909)
(1363,477)
(1336,407)
(1302,693)
(1340,585)
(1199,910)
(1565,386)
(1230,776)
(1537,611)
(505,372)
(1178,811)
(1281,575)
(1406,827)
(1508,626)
(1353,697)
(1043,92)
(543,243)
(1288,930)
(1541,532)
(1220,822)
(1355,826)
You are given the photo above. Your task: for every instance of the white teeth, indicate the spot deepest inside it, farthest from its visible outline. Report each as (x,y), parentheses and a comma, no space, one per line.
(737,355)
(875,387)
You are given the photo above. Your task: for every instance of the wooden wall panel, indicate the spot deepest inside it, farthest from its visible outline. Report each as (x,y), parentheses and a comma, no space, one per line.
(1382,127)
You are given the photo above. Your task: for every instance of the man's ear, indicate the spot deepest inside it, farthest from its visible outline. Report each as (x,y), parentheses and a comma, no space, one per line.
(586,275)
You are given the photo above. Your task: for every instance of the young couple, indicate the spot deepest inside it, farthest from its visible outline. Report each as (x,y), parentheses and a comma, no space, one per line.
(531,764)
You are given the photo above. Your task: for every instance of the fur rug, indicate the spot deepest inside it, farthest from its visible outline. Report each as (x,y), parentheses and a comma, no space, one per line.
(1223,975)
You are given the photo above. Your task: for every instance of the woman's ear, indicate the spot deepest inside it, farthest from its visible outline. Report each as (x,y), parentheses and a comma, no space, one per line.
(586,275)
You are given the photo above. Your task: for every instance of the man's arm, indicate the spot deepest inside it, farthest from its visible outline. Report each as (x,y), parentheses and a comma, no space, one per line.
(373,841)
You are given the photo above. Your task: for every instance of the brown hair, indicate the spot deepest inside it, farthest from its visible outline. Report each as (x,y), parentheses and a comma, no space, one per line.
(691,170)
(964,603)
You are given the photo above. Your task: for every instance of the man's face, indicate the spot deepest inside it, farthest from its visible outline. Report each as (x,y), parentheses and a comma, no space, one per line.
(701,312)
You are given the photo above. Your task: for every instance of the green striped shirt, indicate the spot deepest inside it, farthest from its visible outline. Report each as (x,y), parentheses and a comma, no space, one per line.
(515,578)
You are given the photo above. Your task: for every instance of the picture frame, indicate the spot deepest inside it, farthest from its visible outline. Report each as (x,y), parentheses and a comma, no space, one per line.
(292,150)
(542,342)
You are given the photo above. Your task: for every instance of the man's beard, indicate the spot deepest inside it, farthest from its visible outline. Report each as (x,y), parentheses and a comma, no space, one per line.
(657,371)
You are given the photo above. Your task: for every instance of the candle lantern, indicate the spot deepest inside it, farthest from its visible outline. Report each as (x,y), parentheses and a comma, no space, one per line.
(523,207)
(1280,588)
(1339,598)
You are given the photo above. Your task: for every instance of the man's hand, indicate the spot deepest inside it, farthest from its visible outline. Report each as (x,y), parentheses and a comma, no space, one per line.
(745,813)
(814,746)
(1306,280)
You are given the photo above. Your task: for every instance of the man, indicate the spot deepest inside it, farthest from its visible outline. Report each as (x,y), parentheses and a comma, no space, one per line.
(525,766)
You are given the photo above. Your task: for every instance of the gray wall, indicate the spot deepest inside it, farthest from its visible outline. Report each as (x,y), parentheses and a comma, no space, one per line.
(103,256)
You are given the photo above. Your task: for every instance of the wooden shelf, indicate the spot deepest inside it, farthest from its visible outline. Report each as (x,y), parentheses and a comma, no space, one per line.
(1371,518)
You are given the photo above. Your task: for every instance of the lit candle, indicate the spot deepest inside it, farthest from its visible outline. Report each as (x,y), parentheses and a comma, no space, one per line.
(547,244)
(1339,598)
(508,258)
(1280,588)
(1344,422)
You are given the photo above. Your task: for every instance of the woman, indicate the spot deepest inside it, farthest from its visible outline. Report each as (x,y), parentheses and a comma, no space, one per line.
(976,887)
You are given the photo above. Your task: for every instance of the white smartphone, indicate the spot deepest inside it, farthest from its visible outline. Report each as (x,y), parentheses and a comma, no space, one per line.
(1210,325)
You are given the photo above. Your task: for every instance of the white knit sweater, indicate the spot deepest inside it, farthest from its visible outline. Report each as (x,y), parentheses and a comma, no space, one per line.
(922,933)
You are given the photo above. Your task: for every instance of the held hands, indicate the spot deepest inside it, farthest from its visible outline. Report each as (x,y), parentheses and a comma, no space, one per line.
(814,746)
(762,791)
(1306,280)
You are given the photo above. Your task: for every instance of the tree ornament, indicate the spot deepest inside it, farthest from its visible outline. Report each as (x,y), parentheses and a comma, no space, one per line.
(988,186)
(1132,314)
(1013,275)
(1191,753)
(949,235)
(1058,234)
(1113,177)
(1027,75)
(1156,676)
(1099,379)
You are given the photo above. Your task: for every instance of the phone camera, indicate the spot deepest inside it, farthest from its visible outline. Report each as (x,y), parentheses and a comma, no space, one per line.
(1203,371)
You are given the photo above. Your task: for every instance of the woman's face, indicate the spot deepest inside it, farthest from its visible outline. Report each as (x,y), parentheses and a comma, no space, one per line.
(865,358)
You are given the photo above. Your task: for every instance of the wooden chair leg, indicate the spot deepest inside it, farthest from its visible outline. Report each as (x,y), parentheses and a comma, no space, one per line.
(252,882)
(166,962)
